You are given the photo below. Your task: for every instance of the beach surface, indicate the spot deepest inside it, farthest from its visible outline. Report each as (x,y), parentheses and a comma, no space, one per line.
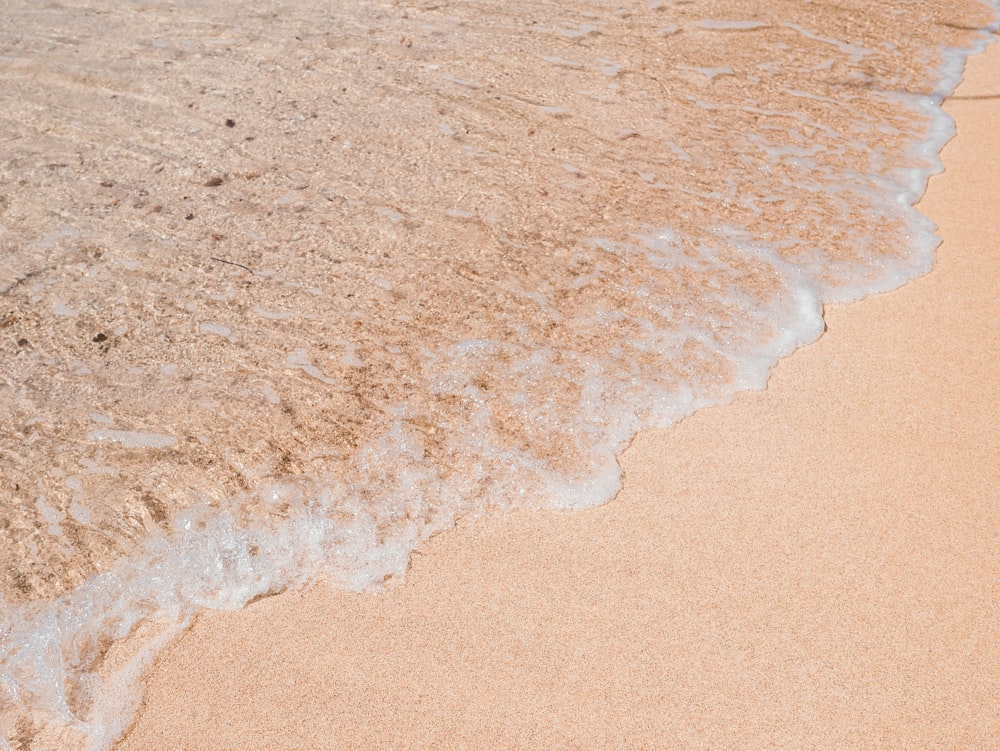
(813,566)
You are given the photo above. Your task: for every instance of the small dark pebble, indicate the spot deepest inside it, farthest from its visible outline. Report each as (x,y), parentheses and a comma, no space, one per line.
(214,182)
(107,184)
(189,217)
(101,337)
(230,123)
(23,342)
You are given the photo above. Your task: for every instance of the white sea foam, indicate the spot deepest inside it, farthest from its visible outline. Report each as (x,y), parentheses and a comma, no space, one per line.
(730,25)
(215,328)
(298,528)
(855,51)
(133,439)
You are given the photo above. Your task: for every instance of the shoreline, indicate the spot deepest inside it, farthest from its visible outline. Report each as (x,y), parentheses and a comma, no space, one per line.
(808,566)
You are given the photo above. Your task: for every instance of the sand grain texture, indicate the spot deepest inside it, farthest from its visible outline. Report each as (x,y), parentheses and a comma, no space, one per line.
(814,566)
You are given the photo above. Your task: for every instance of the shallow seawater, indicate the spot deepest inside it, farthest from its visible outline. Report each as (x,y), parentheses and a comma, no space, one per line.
(287,288)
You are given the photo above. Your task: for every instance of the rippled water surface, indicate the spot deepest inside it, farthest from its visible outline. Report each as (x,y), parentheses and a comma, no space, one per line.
(287,287)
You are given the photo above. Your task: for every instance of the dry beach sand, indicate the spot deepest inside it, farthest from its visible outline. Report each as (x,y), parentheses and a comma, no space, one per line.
(814,567)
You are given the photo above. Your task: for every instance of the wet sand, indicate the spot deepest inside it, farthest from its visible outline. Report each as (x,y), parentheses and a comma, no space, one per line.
(814,566)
